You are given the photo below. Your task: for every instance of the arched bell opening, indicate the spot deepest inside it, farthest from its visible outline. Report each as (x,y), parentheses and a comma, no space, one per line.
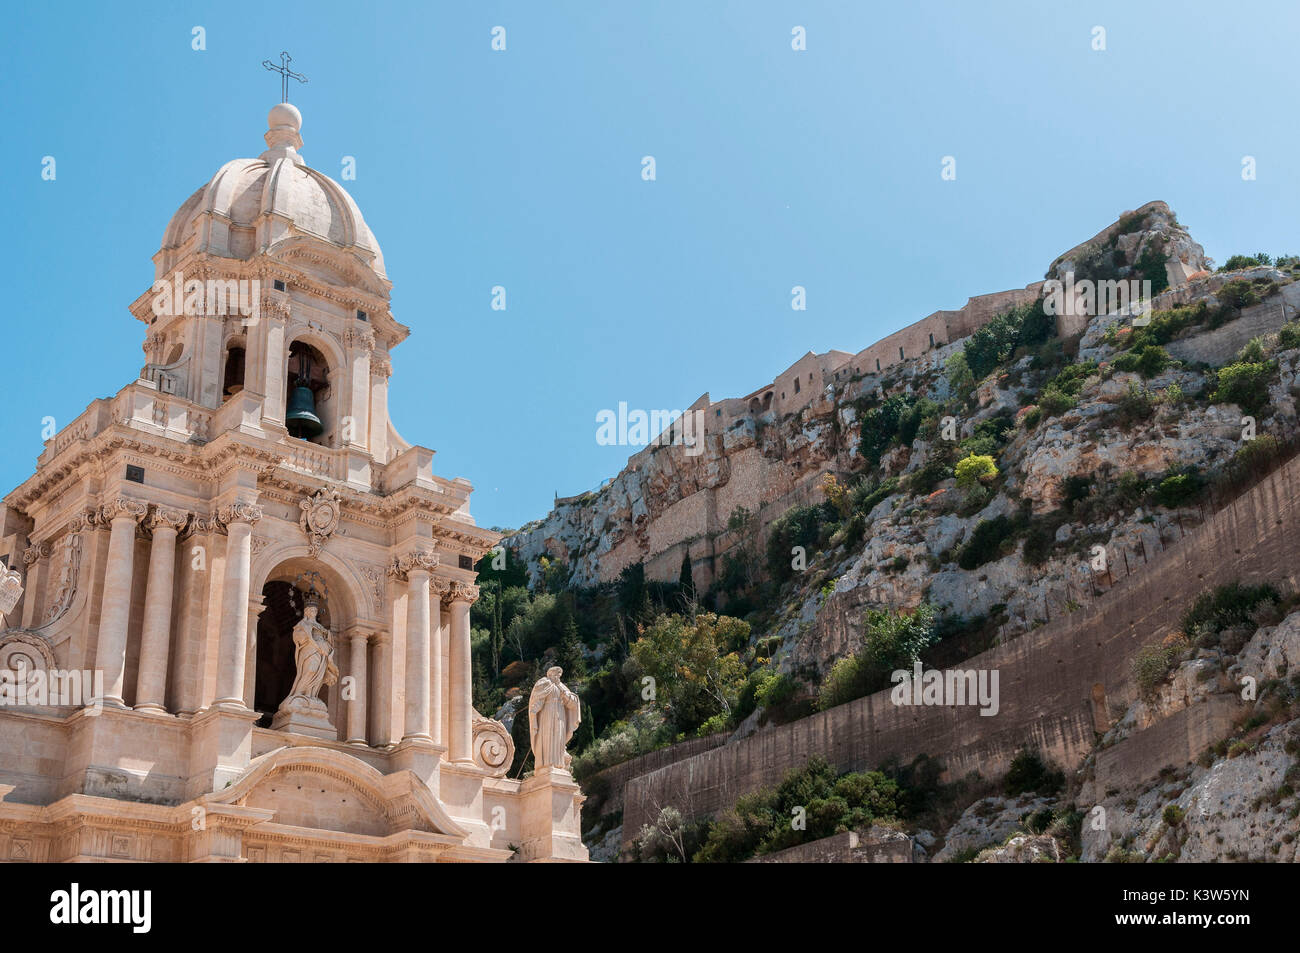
(308,396)
(232,378)
(284,604)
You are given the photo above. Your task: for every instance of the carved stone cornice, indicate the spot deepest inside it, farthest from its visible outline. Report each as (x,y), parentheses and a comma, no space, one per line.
(414,561)
(164,517)
(463,592)
(239,513)
(122,508)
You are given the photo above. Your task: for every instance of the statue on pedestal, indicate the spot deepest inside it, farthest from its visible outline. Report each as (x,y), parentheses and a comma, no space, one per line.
(553,716)
(11,590)
(303,711)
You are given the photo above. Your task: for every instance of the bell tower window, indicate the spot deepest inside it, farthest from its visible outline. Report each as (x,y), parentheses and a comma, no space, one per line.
(232,381)
(307,398)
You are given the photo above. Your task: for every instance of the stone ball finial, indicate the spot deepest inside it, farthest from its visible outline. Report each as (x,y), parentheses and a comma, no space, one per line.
(282,138)
(284,114)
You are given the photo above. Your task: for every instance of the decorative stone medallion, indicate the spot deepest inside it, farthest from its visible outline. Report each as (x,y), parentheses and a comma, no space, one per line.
(320,518)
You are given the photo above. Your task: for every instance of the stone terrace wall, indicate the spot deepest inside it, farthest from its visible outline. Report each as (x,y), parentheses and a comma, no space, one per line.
(1058,684)
(1220,346)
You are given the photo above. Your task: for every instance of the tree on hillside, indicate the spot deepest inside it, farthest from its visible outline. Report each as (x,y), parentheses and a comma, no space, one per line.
(695,665)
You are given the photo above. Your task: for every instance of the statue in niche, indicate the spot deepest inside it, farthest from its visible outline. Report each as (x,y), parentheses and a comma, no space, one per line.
(553,716)
(313,658)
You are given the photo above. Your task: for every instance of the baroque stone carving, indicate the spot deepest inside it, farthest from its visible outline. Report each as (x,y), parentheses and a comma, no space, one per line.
(22,650)
(120,508)
(463,592)
(239,513)
(68,574)
(493,748)
(553,717)
(36,552)
(162,516)
(415,560)
(375,577)
(320,518)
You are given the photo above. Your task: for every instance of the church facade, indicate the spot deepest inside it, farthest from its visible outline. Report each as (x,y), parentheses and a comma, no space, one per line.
(243,631)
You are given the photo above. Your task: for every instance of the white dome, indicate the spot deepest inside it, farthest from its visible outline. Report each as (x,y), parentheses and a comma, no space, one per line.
(253,205)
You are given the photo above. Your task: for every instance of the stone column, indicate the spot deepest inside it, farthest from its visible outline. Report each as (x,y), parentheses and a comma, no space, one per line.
(439,589)
(380,371)
(356,734)
(415,567)
(461,680)
(155,640)
(382,669)
(115,615)
(233,647)
(256,606)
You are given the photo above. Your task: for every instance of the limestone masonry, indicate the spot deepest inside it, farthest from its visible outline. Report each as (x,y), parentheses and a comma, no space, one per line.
(243,632)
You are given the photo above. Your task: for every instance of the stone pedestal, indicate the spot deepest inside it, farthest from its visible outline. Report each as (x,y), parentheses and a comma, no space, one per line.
(304,720)
(551,823)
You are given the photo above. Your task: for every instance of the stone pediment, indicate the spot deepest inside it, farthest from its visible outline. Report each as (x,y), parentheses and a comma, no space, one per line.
(323,789)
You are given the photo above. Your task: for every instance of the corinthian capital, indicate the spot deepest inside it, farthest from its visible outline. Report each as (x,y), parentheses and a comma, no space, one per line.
(463,592)
(239,513)
(164,517)
(413,561)
(440,588)
(116,509)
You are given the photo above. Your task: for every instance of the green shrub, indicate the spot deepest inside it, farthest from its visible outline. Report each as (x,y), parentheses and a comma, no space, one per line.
(761,822)
(984,542)
(1053,402)
(798,526)
(1240,262)
(1030,774)
(1153,663)
(892,641)
(867,494)
(1288,335)
(992,344)
(975,469)
(1149,360)
(1230,604)
(1173,815)
(1135,405)
(1175,490)
(1244,384)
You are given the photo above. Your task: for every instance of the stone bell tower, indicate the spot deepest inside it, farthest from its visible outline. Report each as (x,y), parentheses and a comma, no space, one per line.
(164,541)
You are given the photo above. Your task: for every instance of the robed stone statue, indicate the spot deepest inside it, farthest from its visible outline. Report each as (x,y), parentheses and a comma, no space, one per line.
(314,658)
(553,716)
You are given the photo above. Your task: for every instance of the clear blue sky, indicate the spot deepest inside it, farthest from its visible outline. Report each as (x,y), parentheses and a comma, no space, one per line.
(523,169)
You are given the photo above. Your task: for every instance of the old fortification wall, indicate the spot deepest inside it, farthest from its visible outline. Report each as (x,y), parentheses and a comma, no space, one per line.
(1059,684)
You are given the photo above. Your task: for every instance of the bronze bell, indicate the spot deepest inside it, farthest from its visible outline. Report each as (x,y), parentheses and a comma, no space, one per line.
(301,419)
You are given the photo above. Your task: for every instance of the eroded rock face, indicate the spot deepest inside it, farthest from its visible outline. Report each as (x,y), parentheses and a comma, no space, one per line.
(989,822)
(1225,812)
(912,543)
(1023,849)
